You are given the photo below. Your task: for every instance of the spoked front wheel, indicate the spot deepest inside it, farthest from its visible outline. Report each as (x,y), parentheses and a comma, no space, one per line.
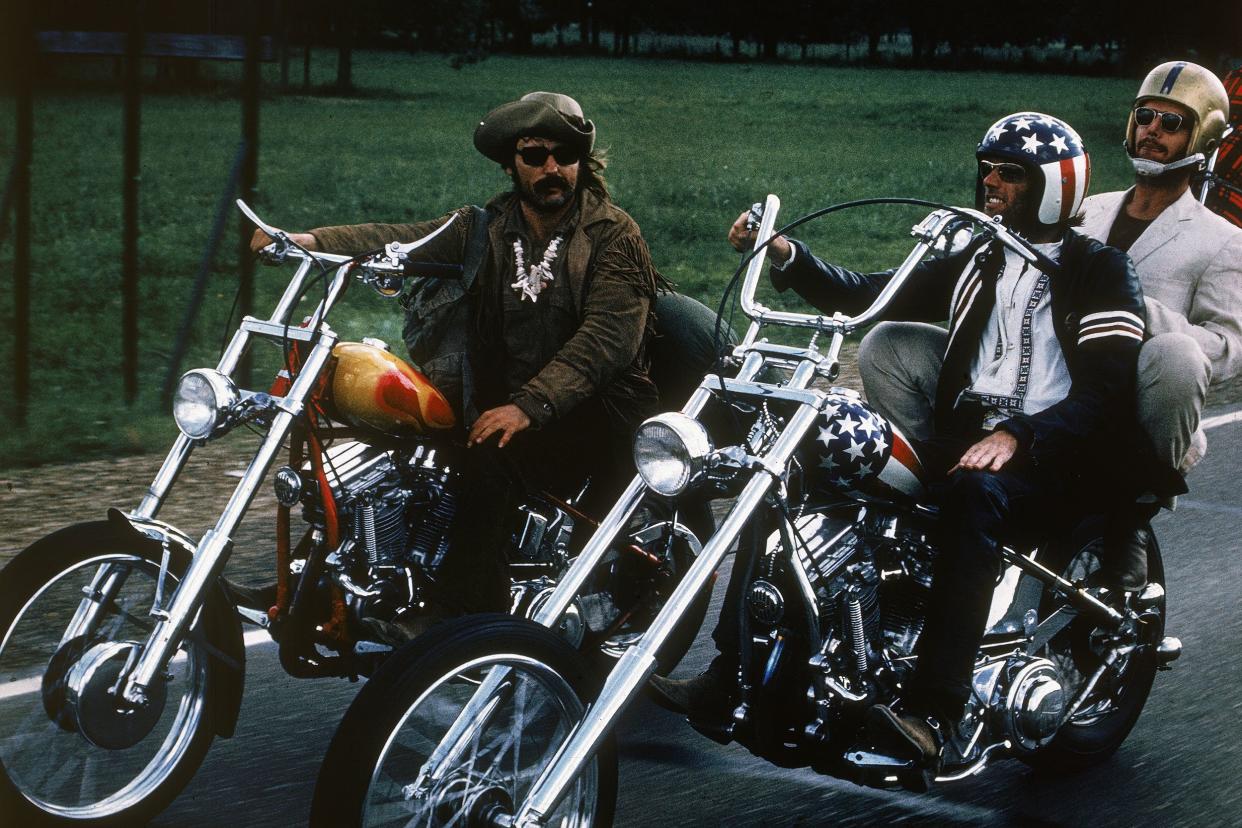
(72,615)
(457,726)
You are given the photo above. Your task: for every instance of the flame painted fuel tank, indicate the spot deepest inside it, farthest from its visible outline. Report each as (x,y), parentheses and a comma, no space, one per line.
(374,389)
(855,451)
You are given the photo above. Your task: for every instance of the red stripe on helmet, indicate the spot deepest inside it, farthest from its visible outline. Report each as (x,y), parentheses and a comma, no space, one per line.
(1068,185)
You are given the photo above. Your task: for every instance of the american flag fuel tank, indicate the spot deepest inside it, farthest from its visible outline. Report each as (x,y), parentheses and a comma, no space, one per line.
(855,451)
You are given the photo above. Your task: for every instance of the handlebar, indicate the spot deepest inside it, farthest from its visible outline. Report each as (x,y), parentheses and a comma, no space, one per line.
(940,233)
(384,269)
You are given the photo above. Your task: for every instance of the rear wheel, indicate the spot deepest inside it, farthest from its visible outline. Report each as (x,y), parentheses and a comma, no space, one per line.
(642,577)
(374,770)
(1107,715)
(71,617)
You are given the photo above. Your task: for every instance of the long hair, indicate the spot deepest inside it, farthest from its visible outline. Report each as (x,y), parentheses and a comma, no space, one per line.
(591,173)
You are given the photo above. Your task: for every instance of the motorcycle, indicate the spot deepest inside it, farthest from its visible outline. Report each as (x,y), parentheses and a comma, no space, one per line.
(494,722)
(121,647)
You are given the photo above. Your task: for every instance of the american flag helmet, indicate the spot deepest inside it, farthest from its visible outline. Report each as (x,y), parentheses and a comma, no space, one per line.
(1047,147)
(855,451)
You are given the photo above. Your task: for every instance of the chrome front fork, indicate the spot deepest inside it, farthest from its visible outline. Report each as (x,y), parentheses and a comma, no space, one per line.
(638,662)
(101,591)
(211,553)
(214,547)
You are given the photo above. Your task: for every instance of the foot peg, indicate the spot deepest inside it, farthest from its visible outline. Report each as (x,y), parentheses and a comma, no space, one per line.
(876,770)
(1168,650)
(721,731)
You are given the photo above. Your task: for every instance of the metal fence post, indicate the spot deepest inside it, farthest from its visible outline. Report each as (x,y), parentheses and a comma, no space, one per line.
(24,54)
(129,244)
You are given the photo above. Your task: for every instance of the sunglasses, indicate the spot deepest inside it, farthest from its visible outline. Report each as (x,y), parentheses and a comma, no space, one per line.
(1169,121)
(1008,172)
(538,156)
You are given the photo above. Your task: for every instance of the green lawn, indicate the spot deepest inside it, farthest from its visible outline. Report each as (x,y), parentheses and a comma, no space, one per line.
(690,144)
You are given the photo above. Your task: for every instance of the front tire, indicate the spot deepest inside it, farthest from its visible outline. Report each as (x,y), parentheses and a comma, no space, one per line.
(371,770)
(1111,711)
(67,755)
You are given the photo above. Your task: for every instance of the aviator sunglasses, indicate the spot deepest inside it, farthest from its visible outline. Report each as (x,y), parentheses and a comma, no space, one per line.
(538,156)
(1009,173)
(1169,121)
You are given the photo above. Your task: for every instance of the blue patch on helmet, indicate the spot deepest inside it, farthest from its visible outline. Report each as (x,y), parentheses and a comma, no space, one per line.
(1171,78)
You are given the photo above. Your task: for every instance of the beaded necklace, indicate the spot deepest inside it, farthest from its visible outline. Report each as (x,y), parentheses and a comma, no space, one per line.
(530,282)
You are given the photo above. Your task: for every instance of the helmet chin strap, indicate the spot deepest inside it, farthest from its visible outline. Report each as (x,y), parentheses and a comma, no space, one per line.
(1151,169)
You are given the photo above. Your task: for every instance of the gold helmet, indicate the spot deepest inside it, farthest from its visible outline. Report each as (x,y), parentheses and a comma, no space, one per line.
(1198,90)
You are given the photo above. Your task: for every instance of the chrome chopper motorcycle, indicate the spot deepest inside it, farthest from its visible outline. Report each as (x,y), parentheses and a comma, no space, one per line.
(494,722)
(121,651)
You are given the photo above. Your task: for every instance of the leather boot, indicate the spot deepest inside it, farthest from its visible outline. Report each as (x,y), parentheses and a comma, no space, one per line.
(1126,538)
(401,630)
(706,697)
(260,598)
(907,735)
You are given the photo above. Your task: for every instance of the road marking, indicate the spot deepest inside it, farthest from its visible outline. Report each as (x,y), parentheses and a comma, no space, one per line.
(1223,508)
(1220,420)
(33,685)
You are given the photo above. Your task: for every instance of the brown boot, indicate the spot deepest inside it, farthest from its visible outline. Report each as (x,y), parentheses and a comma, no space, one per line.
(399,631)
(910,736)
(707,697)
(261,598)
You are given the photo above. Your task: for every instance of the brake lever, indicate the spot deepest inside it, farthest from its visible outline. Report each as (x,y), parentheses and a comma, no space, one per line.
(754,216)
(396,252)
(276,252)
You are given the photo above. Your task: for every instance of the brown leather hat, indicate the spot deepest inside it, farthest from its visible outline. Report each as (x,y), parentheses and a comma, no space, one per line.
(542,114)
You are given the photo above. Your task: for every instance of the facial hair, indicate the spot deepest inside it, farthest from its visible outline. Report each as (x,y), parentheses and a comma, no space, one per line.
(1151,143)
(536,195)
(1021,213)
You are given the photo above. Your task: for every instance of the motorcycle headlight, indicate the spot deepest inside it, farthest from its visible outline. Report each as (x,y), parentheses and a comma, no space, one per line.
(671,451)
(202,403)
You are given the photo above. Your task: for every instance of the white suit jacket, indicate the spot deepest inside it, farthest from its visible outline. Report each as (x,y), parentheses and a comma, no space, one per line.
(1190,263)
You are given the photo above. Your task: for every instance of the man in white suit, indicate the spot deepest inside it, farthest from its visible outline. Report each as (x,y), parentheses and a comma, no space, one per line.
(1190,263)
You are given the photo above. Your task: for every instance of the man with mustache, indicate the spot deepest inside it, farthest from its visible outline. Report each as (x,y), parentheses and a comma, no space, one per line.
(541,345)
(1190,263)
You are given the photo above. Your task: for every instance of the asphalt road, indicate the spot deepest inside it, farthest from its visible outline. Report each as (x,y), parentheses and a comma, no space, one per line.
(1179,766)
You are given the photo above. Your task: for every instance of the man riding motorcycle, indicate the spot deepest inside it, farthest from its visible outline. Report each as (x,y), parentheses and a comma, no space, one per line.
(541,345)
(1035,372)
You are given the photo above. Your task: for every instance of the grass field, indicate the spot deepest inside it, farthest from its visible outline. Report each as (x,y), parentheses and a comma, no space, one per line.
(690,145)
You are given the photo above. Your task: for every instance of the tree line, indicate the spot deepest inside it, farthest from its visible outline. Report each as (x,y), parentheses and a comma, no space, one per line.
(948,33)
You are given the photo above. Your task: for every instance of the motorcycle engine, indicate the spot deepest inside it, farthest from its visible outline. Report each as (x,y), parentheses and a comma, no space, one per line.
(395,509)
(873,576)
